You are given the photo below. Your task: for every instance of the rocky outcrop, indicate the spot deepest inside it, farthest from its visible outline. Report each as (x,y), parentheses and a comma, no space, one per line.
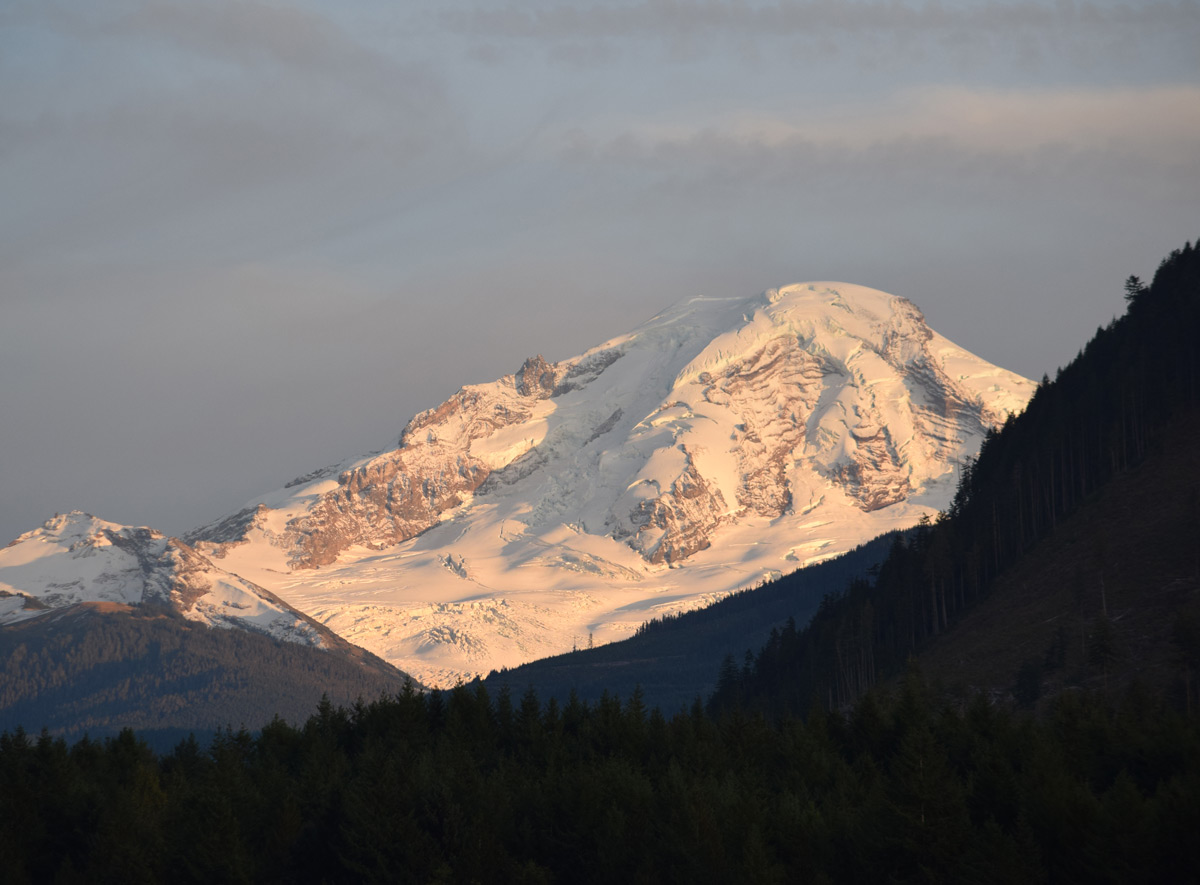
(383,502)
(775,391)
(472,413)
(874,475)
(582,372)
(670,527)
(536,378)
(230,530)
(400,494)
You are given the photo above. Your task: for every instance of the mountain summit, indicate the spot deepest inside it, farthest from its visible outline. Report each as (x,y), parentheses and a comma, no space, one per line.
(722,442)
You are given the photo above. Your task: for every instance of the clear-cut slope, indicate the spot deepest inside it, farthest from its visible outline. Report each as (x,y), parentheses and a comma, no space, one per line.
(76,558)
(721,442)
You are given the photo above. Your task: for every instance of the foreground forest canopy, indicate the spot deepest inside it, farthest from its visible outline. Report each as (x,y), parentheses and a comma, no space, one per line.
(461,788)
(826,756)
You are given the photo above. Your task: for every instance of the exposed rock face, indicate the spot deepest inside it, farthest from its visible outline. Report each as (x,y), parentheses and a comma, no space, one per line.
(670,527)
(537,378)
(382,503)
(233,528)
(402,493)
(874,475)
(788,381)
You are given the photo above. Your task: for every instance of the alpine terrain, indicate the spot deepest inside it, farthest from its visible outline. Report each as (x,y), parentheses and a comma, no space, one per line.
(723,442)
(104,626)
(76,559)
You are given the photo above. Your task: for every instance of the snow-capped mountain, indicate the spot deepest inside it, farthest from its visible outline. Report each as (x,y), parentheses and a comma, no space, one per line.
(722,442)
(76,558)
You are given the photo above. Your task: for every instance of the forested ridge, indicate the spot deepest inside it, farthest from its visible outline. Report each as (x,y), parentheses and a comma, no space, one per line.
(1102,416)
(827,756)
(97,669)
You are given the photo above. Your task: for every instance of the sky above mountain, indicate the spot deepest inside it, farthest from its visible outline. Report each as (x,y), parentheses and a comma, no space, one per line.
(242,240)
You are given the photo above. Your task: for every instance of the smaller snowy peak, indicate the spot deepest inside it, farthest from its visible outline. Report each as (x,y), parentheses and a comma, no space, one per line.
(79,528)
(73,558)
(77,558)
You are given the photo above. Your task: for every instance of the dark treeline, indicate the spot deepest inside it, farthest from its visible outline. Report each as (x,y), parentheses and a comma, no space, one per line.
(1100,416)
(456,787)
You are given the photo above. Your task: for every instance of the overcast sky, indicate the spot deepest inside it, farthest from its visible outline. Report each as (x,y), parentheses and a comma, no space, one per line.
(243,240)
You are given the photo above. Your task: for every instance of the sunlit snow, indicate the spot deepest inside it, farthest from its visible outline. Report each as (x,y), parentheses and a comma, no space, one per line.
(779,431)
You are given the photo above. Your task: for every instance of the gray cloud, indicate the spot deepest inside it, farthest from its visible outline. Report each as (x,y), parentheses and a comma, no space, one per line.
(1080,42)
(728,18)
(947,147)
(310,133)
(253,35)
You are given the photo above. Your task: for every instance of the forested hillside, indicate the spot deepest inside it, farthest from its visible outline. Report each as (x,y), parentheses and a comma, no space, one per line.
(1126,400)
(100,668)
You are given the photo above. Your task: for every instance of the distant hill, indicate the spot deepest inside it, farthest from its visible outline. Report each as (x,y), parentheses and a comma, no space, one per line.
(104,626)
(100,667)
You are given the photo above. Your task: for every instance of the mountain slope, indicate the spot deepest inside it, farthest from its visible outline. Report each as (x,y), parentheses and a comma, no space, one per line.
(1123,570)
(722,442)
